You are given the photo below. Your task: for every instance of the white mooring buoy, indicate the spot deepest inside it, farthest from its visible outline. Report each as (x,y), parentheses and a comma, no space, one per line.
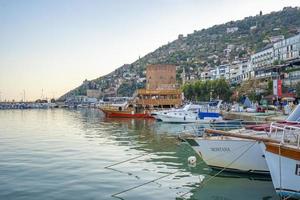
(192,161)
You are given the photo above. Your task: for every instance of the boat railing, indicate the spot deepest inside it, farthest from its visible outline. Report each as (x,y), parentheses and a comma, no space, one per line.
(289,133)
(209,109)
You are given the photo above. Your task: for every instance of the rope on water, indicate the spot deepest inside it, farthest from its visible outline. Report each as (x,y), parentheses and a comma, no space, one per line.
(124,161)
(208,180)
(146,183)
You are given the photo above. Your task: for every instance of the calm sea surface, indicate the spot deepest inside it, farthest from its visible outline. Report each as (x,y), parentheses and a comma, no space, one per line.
(62,154)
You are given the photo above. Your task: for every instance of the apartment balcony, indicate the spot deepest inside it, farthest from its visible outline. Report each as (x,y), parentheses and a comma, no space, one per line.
(267,75)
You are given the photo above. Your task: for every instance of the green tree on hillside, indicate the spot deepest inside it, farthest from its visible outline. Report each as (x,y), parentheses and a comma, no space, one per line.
(205,90)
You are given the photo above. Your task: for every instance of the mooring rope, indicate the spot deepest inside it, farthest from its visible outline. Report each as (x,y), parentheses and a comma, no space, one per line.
(291,195)
(146,183)
(124,161)
(212,177)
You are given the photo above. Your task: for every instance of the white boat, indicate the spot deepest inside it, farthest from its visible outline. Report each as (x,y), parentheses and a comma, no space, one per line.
(190,117)
(193,108)
(226,151)
(191,113)
(230,154)
(284,163)
(237,150)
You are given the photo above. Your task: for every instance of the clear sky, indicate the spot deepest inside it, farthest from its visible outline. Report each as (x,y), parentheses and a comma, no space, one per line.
(53,45)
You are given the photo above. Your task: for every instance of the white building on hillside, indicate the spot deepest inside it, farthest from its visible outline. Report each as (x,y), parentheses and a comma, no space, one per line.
(206,75)
(262,60)
(234,72)
(223,71)
(288,49)
(240,71)
(232,29)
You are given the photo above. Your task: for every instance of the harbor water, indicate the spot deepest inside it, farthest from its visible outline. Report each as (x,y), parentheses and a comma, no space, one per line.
(64,154)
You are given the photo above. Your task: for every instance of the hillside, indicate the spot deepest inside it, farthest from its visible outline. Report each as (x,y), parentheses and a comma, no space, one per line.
(200,50)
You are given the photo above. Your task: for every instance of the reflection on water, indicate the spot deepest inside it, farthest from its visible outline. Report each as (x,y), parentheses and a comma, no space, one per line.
(62,154)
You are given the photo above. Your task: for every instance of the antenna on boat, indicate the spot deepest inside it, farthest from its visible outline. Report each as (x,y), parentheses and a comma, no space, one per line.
(24,99)
(42,95)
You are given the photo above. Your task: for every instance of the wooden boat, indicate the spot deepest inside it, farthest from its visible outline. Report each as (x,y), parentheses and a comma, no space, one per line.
(144,101)
(124,111)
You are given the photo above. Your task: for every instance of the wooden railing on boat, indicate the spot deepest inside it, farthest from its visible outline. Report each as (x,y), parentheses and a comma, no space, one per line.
(236,135)
(157,102)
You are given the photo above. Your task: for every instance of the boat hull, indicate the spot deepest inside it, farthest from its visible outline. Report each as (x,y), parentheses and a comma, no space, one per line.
(124,114)
(284,165)
(186,119)
(242,156)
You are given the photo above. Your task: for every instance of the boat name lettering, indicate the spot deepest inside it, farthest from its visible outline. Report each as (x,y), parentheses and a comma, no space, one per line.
(297,171)
(225,149)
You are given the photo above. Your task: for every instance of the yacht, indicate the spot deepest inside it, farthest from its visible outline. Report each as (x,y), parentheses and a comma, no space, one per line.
(191,113)
(188,108)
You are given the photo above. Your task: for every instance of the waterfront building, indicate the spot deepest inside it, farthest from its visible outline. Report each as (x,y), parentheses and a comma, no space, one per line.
(161,89)
(273,59)
(288,49)
(161,76)
(262,63)
(287,55)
